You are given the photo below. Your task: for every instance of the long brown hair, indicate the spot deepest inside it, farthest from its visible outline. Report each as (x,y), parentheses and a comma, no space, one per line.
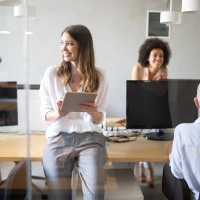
(86,66)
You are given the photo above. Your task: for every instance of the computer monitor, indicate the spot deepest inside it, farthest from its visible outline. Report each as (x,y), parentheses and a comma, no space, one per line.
(8,104)
(159,105)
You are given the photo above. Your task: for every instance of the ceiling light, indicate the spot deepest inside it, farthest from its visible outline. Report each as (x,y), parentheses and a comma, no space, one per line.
(10,2)
(190,6)
(170,17)
(29,33)
(5,32)
(20,10)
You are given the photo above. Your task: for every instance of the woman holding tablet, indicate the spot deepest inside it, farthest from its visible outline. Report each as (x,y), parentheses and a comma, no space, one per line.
(154,55)
(74,138)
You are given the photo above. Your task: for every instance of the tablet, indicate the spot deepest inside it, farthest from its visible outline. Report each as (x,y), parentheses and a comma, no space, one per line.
(73,99)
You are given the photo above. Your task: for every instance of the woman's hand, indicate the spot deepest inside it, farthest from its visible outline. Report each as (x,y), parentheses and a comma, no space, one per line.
(55,115)
(92,109)
(59,105)
(89,107)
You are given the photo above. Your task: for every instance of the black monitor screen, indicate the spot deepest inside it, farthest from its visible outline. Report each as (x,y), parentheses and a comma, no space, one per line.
(160,104)
(8,104)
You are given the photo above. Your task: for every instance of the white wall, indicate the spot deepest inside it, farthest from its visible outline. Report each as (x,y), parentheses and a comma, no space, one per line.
(118,28)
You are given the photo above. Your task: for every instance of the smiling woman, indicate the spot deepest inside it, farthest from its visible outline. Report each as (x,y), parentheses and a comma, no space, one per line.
(154,55)
(74,138)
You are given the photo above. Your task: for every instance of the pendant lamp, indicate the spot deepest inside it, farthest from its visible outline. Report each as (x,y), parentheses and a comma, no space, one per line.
(190,6)
(20,10)
(9,2)
(5,32)
(29,33)
(170,17)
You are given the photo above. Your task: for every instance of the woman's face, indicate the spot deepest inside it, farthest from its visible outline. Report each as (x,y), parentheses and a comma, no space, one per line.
(69,48)
(156,58)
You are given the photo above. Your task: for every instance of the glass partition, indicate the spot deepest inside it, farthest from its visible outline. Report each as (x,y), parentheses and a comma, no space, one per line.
(49,48)
(14,101)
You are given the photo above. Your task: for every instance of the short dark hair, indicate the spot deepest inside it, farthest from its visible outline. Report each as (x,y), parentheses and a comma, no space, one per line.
(148,46)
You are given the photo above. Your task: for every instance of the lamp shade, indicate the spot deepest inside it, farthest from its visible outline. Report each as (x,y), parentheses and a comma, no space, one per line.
(5,32)
(190,6)
(19,11)
(170,17)
(10,2)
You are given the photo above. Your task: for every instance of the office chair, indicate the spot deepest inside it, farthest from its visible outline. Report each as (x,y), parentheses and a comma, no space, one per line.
(16,183)
(172,187)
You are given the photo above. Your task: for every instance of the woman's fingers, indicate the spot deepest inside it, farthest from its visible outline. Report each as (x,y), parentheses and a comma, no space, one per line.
(92,104)
(60,101)
(87,108)
(90,109)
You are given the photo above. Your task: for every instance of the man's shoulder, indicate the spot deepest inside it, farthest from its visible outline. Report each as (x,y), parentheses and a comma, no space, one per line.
(185,126)
(188,133)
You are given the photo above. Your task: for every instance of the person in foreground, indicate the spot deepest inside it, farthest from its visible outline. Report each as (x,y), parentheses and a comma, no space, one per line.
(184,153)
(74,138)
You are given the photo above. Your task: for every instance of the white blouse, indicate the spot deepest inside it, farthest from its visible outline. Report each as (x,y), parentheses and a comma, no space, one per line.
(51,89)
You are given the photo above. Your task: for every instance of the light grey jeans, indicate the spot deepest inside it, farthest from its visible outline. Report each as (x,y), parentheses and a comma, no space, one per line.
(62,152)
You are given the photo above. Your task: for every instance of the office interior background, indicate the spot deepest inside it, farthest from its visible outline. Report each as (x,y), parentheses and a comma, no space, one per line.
(118,28)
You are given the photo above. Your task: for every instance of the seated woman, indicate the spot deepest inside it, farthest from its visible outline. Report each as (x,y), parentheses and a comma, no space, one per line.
(154,56)
(74,138)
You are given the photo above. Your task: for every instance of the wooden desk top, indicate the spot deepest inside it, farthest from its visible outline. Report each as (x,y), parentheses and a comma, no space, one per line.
(141,150)
(14,148)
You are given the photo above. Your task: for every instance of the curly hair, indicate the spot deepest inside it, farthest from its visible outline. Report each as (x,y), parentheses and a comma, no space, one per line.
(86,67)
(148,46)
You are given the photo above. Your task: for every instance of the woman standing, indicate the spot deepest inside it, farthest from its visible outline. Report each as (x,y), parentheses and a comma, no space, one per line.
(74,138)
(154,56)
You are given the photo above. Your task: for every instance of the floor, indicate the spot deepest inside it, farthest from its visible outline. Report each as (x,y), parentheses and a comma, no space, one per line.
(37,170)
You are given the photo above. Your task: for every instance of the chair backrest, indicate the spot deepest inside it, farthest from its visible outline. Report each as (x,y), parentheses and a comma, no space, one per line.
(172,187)
(16,183)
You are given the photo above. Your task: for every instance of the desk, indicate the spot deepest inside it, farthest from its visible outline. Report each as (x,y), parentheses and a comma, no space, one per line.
(141,150)
(14,148)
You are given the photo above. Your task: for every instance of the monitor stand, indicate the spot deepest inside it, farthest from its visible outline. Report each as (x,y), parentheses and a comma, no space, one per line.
(160,135)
